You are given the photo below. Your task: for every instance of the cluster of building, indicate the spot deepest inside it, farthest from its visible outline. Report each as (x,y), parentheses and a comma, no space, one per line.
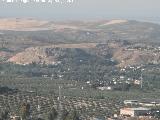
(146,109)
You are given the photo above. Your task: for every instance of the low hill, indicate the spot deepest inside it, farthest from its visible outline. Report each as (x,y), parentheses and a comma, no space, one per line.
(46,54)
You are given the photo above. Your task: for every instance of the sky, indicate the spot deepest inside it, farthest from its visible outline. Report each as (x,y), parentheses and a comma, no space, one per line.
(85,10)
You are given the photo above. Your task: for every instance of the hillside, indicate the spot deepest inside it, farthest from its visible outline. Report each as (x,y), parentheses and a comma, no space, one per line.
(129,57)
(124,55)
(46,54)
(18,24)
(24,41)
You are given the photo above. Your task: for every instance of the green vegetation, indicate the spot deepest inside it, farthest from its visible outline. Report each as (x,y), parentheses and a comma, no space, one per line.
(32,90)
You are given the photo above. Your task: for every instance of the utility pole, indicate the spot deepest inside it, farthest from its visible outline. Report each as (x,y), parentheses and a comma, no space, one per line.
(141,78)
(60,108)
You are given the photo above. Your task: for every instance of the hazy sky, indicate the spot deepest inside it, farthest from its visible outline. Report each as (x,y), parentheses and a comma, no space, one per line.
(85,9)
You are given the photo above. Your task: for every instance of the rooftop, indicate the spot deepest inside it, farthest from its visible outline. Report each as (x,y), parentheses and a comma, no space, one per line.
(140,108)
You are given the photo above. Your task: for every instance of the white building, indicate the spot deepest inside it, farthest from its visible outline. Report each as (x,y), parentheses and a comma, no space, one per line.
(131,102)
(105,88)
(133,112)
(137,82)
